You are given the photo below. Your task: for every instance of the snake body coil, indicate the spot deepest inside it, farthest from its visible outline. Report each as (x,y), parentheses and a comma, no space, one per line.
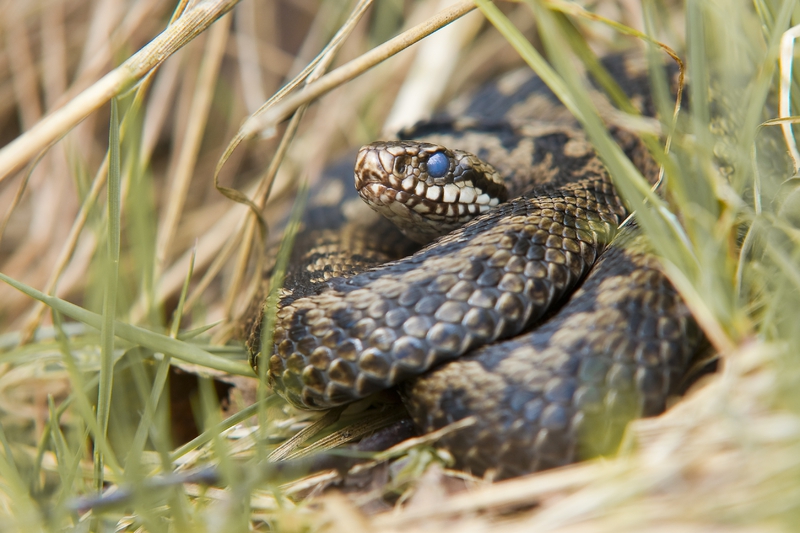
(615,351)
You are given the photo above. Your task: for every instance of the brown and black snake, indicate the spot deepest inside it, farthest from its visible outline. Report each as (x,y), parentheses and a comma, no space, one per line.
(537,317)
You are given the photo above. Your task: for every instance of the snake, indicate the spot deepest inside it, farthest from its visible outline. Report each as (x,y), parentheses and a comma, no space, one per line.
(498,286)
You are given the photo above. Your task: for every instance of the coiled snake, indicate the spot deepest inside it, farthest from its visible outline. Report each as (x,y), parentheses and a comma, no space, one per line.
(438,322)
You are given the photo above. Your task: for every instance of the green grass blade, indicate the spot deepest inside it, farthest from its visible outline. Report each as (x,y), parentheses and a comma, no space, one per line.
(176,319)
(194,332)
(631,184)
(26,515)
(270,308)
(81,398)
(60,448)
(68,463)
(136,335)
(147,423)
(110,296)
(696,244)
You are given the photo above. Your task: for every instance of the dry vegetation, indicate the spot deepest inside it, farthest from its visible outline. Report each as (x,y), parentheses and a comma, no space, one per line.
(109,208)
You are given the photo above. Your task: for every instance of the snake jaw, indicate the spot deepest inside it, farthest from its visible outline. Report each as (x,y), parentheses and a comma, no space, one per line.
(394,179)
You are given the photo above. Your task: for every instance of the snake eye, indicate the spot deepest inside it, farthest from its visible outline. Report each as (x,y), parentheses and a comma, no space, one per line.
(400,165)
(438,165)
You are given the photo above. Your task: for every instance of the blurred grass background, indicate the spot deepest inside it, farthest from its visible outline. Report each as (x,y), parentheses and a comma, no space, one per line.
(121,218)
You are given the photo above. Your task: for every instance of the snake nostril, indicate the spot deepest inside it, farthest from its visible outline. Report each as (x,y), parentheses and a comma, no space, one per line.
(400,165)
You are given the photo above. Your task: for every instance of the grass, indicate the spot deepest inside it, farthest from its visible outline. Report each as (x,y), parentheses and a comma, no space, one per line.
(145,268)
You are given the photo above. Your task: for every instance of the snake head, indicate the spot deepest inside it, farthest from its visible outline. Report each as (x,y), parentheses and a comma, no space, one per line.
(425,189)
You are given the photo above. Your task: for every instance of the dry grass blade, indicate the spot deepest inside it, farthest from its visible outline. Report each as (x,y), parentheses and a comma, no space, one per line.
(68,247)
(315,69)
(58,123)
(187,156)
(501,496)
(345,73)
(352,432)
(284,450)
(787,57)
(310,73)
(23,75)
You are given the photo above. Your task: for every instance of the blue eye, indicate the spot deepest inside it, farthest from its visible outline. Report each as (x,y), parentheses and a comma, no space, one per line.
(438,165)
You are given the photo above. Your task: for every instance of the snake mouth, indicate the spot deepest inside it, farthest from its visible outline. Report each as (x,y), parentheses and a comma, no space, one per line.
(425,189)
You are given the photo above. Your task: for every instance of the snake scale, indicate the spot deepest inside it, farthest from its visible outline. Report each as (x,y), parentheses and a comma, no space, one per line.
(450,324)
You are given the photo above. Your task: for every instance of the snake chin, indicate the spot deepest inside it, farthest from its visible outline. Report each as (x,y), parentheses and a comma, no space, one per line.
(421,222)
